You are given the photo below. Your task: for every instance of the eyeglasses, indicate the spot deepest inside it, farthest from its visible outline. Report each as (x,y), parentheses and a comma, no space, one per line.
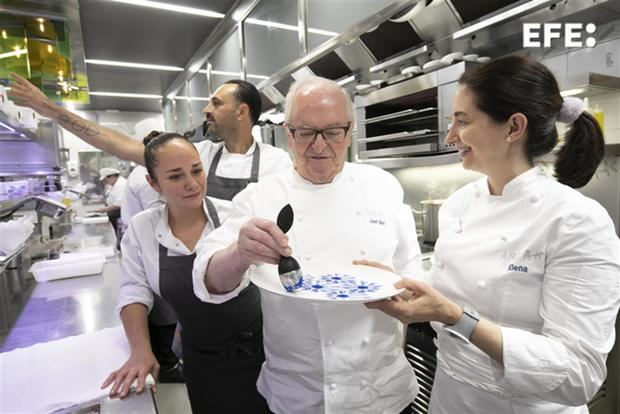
(332,134)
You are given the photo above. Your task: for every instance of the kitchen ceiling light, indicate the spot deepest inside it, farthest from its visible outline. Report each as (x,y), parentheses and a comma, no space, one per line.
(209,13)
(226,73)
(525,7)
(133,65)
(172,8)
(572,92)
(125,95)
(192,98)
(287,27)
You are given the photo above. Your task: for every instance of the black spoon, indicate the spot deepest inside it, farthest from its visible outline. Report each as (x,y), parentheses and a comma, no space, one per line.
(288,268)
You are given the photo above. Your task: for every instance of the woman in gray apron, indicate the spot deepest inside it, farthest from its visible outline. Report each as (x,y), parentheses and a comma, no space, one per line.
(222,343)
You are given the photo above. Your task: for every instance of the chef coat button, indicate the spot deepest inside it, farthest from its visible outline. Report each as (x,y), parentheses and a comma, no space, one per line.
(482,284)
(308,257)
(364,383)
(363,252)
(477,193)
(330,342)
(533,199)
(365,341)
(440,265)
(159,236)
(332,386)
(300,218)
(504,238)
(358,212)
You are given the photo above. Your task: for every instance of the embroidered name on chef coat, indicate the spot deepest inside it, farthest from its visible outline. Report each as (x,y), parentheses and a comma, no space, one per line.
(377,217)
(516,268)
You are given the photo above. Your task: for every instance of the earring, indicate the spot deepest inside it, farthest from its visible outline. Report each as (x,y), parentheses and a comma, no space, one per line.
(508,138)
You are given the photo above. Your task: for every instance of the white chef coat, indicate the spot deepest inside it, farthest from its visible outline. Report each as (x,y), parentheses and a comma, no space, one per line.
(114,195)
(329,357)
(138,195)
(140,247)
(233,165)
(543,262)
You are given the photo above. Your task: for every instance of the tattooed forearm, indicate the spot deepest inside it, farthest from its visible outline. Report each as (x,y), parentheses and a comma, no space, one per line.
(79,126)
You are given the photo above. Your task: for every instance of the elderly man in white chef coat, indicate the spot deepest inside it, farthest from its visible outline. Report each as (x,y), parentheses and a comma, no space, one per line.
(320,356)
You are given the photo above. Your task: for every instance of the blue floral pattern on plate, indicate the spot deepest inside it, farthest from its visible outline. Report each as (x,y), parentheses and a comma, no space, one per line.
(339,286)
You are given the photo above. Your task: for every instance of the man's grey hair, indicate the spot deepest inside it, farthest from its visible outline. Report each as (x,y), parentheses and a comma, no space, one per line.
(315,82)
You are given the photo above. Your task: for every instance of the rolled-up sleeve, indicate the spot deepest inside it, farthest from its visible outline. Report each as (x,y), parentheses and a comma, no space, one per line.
(240,212)
(565,363)
(134,286)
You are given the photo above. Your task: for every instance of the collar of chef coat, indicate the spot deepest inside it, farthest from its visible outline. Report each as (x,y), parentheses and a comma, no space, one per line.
(516,187)
(249,151)
(167,239)
(300,182)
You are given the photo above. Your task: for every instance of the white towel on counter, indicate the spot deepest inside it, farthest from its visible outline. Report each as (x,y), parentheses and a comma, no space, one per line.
(68,372)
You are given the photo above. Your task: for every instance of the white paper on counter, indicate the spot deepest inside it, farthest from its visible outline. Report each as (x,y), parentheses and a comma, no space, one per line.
(53,375)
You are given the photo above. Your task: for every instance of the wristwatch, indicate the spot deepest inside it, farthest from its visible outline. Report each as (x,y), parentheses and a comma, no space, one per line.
(465,326)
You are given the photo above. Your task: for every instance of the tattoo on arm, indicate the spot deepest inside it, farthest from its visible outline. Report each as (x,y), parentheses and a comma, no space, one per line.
(79,126)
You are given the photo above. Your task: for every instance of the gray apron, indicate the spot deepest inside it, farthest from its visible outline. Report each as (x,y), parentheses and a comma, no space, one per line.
(226,188)
(222,343)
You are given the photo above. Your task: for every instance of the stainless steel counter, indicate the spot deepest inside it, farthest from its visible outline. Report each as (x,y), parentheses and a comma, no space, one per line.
(76,306)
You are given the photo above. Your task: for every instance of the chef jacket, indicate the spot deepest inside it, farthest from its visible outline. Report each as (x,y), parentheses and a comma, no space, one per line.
(329,357)
(114,194)
(140,246)
(233,165)
(543,262)
(138,195)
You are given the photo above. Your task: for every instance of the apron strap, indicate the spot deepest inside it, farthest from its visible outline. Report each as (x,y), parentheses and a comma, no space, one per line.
(212,213)
(255,164)
(216,161)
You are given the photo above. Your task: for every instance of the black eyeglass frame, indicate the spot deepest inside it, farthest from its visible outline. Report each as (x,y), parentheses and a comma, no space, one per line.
(320,131)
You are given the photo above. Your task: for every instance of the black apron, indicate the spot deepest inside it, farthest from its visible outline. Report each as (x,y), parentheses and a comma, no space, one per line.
(226,188)
(222,343)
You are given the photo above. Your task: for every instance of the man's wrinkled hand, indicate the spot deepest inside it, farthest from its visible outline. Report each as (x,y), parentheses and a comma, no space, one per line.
(261,241)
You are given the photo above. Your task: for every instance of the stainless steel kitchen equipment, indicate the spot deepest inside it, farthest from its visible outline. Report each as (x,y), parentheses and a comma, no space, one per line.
(408,118)
(430,215)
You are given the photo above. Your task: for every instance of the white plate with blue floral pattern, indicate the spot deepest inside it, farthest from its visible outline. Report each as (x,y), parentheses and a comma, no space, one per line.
(341,283)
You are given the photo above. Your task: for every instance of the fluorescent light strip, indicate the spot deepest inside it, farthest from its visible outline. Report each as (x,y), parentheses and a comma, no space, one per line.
(209,13)
(571,92)
(133,65)
(188,98)
(287,27)
(237,74)
(173,8)
(499,17)
(126,95)
(18,52)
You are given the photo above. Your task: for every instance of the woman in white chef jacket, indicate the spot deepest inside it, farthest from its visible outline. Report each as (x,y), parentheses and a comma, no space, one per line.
(526,276)
(222,343)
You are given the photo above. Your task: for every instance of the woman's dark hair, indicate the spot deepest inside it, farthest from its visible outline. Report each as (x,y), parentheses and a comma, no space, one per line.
(515,84)
(249,95)
(152,142)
